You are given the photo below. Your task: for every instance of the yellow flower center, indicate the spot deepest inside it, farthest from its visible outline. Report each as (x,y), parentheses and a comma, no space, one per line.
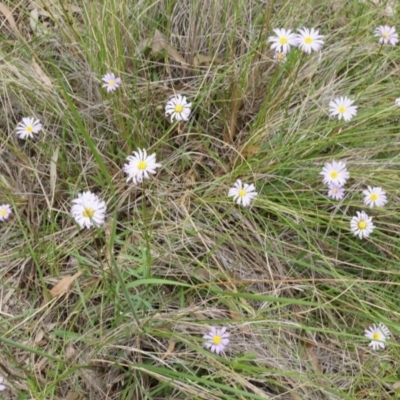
(111,82)
(283,40)
(362,224)
(3,212)
(178,108)
(88,212)
(280,56)
(374,197)
(308,39)
(29,128)
(334,174)
(342,109)
(142,165)
(385,35)
(334,191)
(217,339)
(242,193)
(376,336)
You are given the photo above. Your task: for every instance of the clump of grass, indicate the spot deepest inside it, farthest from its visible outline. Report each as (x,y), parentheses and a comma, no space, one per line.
(176,256)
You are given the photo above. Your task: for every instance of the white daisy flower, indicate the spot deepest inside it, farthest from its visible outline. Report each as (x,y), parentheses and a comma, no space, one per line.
(216,340)
(27,127)
(88,210)
(342,107)
(280,56)
(2,387)
(335,173)
(397,102)
(335,192)
(178,108)
(111,82)
(309,40)
(386,35)
(375,196)
(361,225)
(140,165)
(242,193)
(283,40)
(378,335)
(5,212)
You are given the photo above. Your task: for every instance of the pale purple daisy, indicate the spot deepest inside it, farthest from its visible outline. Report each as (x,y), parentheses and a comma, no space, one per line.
(216,340)
(5,212)
(386,35)
(335,192)
(2,387)
(111,82)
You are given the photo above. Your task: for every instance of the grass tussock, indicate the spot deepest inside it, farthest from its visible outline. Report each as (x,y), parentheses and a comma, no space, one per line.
(119,312)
